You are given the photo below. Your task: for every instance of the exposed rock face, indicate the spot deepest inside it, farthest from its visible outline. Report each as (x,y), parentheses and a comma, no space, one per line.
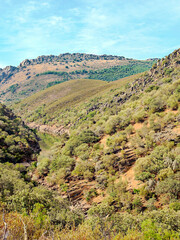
(7,72)
(68,57)
(26,62)
(49,129)
(152,59)
(169,61)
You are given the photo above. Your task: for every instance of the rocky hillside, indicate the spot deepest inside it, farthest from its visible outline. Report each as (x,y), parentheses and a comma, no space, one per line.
(107,134)
(130,132)
(34,75)
(17,142)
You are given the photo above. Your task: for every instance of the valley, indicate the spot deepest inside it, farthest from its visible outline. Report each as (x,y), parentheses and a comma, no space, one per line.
(103,156)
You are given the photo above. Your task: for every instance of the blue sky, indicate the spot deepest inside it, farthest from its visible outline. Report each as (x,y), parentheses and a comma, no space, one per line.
(132,28)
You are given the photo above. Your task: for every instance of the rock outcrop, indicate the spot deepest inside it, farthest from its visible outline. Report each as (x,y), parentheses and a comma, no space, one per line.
(7,72)
(69,57)
(49,129)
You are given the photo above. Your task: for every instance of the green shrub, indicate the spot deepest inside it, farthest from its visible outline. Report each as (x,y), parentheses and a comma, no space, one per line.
(84,169)
(88,136)
(151,88)
(175,206)
(156,105)
(112,124)
(62,161)
(170,186)
(168,71)
(173,102)
(139,116)
(167,80)
(90,194)
(43,166)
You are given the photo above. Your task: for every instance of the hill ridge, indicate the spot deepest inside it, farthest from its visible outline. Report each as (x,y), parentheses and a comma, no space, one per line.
(33,75)
(62,57)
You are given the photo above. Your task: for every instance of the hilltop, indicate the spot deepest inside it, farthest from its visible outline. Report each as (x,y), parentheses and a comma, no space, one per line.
(37,74)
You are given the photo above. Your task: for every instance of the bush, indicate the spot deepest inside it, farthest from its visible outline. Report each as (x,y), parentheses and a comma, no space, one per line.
(149,166)
(173,102)
(151,88)
(170,186)
(62,161)
(175,206)
(167,71)
(139,116)
(90,194)
(43,166)
(85,169)
(88,136)
(156,105)
(112,124)
(167,80)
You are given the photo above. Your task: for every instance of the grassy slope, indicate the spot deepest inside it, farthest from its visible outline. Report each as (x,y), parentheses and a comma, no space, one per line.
(67,94)
(63,95)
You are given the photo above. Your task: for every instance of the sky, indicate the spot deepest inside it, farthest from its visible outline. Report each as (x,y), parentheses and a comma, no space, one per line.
(137,29)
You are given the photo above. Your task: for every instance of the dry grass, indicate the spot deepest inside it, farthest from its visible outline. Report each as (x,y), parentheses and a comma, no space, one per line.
(68,94)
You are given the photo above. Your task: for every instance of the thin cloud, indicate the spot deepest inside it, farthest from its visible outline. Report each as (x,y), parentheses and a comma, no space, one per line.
(139,30)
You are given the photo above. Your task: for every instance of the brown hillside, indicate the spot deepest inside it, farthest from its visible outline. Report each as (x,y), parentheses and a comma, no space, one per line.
(19,82)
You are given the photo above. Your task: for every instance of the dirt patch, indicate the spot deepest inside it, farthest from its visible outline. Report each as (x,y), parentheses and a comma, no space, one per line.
(129,176)
(98,199)
(103,141)
(176,129)
(171,111)
(138,126)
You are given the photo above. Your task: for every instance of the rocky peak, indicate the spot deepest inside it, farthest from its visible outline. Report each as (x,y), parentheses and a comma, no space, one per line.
(70,57)
(7,72)
(152,59)
(169,61)
(9,69)
(26,62)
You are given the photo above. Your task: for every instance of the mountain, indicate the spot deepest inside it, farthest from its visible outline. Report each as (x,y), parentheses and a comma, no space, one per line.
(109,165)
(34,75)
